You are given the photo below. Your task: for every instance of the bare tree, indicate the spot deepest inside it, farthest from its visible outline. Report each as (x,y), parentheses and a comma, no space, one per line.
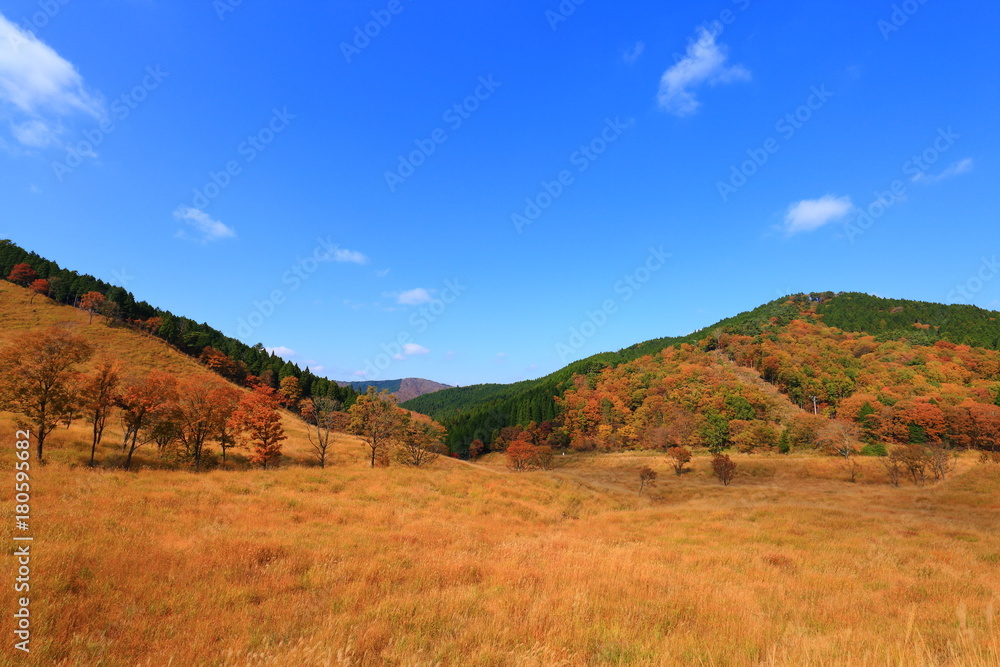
(647,477)
(893,465)
(324,418)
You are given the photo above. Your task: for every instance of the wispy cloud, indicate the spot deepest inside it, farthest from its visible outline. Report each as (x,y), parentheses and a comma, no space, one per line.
(705,62)
(811,214)
(410,349)
(338,254)
(39,89)
(202,224)
(282,351)
(954,169)
(414,297)
(633,53)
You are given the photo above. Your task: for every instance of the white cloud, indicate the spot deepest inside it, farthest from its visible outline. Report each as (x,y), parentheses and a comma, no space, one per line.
(206,227)
(410,349)
(705,62)
(39,88)
(338,254)
(317,369)
(383,273)
(282,351)
(633,53)
(414,297)
(955,169)
(500,358)
(811,214)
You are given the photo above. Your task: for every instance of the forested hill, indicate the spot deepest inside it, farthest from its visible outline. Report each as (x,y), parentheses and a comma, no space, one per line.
(227,356)
(481,411)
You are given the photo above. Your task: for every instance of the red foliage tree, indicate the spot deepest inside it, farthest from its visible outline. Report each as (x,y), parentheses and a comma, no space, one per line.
(22,274)
(38,286)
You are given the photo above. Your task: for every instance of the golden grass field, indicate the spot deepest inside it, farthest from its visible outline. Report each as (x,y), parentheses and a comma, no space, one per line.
(470,564)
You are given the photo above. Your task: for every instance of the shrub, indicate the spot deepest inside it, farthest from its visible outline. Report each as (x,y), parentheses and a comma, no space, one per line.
(679,458)
(724,468)
(874,449)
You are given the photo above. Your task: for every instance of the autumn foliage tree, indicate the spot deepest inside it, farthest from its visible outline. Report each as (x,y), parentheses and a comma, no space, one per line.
(679,458)
(144,403)
(38,377)
(257,425)
(724,468)
(22,274)
(92,303)
(375,417)
(38,286)
(202,412)
(98,394)
(419,442)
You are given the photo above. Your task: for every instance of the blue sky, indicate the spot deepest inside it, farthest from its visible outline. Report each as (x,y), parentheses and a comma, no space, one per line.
(482,192)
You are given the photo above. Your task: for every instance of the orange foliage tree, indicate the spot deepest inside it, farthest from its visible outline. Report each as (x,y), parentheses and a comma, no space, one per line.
(144,403)
(202,412)
(257,425)
(38,377)
(38,286)
(92,302)
(98,397)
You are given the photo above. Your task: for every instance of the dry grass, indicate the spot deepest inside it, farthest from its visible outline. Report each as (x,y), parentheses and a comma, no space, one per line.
(462,564)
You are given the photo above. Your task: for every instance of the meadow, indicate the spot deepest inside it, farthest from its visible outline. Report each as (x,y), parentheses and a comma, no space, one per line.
(471,564)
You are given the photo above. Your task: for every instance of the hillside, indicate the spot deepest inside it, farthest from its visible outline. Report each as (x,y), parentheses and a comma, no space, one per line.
(405,389)
(140,353)
(794,344)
